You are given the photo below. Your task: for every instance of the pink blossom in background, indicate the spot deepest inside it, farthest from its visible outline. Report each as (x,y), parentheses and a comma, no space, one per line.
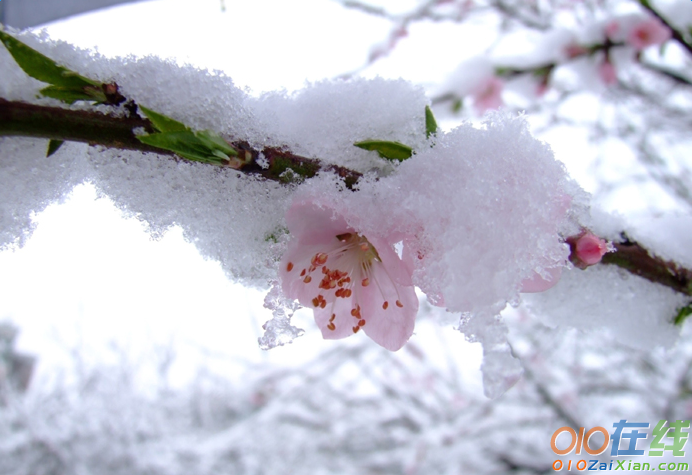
(573,50)
(351,282)
(612,28)
(488,95)
(589,249)
(647,33)
(607,73)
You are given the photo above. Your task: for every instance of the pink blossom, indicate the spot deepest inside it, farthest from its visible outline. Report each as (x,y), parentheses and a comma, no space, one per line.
(648,32)
(589,249)
(538,283)
(352,282)
(608,73)
(488,94)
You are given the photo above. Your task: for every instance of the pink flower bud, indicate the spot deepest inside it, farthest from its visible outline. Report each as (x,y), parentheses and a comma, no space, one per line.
(590,249)
(488,94)
(607,73)
(542,87)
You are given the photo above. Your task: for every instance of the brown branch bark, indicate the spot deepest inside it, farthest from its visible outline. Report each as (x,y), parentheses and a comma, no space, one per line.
(637,260)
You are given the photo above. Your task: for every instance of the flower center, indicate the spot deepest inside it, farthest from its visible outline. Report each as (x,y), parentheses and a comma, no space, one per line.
(344,268)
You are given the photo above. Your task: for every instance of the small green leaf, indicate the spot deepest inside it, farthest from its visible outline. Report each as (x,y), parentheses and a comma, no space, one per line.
(216,142)
(386,149)
(187,145)
(163,123)
(683,313)
(74,94)
(457,105)
(203,146)
(430,122)
(53,147)
(543,71)
(41,67)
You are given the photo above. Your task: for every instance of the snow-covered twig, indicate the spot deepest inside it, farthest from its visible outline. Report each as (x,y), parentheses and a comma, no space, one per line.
(95,128)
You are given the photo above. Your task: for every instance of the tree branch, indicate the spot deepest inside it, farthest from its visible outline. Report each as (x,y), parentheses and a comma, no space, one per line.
(635,259)
(96,128)
(30,120)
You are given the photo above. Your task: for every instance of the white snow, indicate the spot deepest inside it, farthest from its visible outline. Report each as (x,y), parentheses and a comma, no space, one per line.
(630,308)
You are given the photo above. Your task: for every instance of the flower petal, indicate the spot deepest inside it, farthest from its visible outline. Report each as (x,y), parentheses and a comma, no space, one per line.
(399,270)
(313,224)
(392,326)
(338,314)
(538,283)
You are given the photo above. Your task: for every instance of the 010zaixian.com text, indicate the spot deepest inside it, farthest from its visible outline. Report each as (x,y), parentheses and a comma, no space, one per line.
(666,437)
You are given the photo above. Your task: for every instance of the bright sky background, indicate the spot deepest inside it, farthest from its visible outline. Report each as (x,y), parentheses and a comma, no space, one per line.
(94,283)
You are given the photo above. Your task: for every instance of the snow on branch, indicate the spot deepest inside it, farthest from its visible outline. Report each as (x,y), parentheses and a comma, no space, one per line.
(95,128)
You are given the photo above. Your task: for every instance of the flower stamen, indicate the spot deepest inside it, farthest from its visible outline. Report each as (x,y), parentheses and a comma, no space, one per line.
(354,266)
